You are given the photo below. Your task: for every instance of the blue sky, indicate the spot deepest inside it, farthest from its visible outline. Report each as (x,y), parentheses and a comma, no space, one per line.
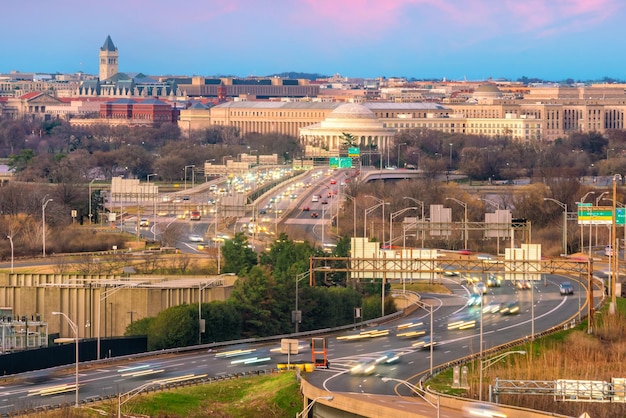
(455,39)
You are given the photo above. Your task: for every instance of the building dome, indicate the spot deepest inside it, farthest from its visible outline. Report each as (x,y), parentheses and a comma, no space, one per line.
(351,111)
(487,91)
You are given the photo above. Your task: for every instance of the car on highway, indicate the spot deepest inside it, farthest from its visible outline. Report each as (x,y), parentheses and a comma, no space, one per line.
(476,409)
(324,202)
(461,321)
(195,215)
(196,238)
(314,215)
(479,288)
(566,288)
(475,299)
(363,368)
(144,223)
(511,308)
(306,208)
(333,181)
(425,343)
(523,285)
(494,281)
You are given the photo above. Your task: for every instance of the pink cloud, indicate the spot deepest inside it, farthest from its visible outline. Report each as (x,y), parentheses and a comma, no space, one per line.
(368,18)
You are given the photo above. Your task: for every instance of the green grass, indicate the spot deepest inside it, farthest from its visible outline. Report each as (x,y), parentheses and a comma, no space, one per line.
(276,395)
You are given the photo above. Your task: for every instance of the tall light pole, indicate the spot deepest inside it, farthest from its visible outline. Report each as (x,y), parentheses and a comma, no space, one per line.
(450,155)
(382,203)
(564,206)
(399,145)
(582,200)
(11,241)
(90,215)
(154,199)
(297,314)
(416,390)
(392,216)
(497,206)
(464,217)
(353,214)
(598,199)
(75,329)
(186,167)
(419,202)
(484,364)
(305,412)
(43,222)
(614,247)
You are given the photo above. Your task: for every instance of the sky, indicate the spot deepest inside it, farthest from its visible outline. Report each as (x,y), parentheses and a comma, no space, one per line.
(423,39)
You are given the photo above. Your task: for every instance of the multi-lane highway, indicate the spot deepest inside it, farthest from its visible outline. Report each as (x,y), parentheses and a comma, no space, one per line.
(541,308)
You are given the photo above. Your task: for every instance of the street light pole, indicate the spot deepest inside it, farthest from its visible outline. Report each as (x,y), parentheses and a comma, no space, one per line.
(154,199)
(392,216)
(464,216)
(90,215)
(305,412)
(75,329)
(382,203)
(582,200)
(564,206)
(484,364)
(614,247)
(11,241)
(497,206)
(43,222)
(353,214)
(416,390)
(185,170)
(419,202)
(399,145)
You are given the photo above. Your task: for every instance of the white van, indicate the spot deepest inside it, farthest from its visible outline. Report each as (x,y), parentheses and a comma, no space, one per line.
(315,198)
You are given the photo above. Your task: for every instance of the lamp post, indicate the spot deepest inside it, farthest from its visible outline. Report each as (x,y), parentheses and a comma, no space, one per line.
(382,203)
(154,199)
(582,200)
(353,214)
(186,167)
(598,199)
(392,216)
(464,217)
(419,202)
(305,412)
(43,222)
(297,314)
(416,390)
(614,247)
(201,287)
(450,156)
(484,364)
(11,241)
(75,329)
(564,206)
(101,298)
(497,206)
(399,145)
(90,215)
(617,204)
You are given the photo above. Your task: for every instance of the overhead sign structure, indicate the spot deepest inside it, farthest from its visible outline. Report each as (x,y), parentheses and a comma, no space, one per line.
(600,215)
(354,152)
(340,162)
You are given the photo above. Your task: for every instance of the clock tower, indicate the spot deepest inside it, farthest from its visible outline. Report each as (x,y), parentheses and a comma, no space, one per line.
(108,60)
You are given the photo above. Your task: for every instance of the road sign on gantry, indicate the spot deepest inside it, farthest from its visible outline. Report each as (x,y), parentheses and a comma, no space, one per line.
(600,215)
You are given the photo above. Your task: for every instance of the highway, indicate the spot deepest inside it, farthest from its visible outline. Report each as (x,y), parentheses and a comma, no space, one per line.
(540,308)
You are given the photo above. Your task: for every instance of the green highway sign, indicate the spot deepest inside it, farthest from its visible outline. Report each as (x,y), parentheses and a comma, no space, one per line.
(340,162)
(354,152)
(600,215)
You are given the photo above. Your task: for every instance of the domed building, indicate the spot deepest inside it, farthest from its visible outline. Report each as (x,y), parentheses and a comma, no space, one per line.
(328,137)
(486,93)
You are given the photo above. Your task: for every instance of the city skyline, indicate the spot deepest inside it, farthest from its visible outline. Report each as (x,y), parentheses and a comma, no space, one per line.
(430,39)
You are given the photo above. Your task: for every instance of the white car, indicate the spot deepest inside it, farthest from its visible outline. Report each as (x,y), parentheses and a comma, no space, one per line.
(196,238)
